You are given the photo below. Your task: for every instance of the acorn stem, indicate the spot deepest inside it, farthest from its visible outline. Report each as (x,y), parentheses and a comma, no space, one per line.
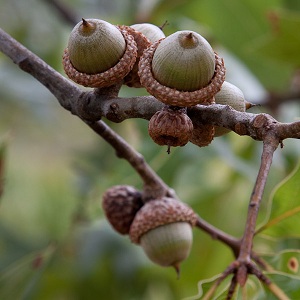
(188,41)
(84,22)
(169,149)
(177,269)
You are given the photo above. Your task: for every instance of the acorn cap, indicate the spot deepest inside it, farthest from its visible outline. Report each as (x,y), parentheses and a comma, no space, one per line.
(172,96)
(142,42)
(109,77)
(120,204)
(157,213)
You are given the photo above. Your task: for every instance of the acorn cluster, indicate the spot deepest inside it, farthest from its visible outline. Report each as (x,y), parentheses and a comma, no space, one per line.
(162,227)
(181,70)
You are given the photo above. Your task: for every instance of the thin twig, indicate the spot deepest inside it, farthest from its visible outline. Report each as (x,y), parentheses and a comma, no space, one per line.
(269,147)
(220,235)
(60,87)
(229,270)
(232,287)
(154,187)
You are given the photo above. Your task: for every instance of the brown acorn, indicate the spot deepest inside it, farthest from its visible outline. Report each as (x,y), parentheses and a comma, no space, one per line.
(120,204)
(99,54)
(182,70)
(170,126)
(202,134)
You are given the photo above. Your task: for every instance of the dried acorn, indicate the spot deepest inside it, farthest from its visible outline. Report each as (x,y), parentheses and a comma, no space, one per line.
(163,227)
(170,126)
(182,70)
(202,134)
(99,54)
(120,204)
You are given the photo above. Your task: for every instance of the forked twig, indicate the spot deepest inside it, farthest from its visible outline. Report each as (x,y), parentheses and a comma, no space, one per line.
(243,264)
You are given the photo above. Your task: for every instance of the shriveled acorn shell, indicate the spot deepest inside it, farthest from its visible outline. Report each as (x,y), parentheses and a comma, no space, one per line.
(202,134)
(120,204)
(170,126)
(184,61)
(95,46)
(229,95)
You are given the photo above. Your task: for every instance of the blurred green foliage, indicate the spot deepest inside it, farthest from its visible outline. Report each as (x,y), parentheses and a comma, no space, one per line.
(54,241)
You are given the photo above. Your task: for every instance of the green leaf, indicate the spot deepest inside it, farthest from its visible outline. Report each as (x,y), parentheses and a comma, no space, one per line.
(206,285)
(282,284)
(283,219)
(286,261)
(289,284)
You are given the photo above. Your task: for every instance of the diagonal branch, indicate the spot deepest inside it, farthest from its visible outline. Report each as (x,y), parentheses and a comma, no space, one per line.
(269,147)
(154,187)
(92,105)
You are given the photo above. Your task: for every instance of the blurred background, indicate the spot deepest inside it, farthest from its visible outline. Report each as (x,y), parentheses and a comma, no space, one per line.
(54,240)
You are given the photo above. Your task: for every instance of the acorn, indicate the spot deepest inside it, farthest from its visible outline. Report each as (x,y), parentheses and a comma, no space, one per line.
(99,54)
(182,70)
(229,95)
(151,31)
(120,204)
(163,228)
(170,126)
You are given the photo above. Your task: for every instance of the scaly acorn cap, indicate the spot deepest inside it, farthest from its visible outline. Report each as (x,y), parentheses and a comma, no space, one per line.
(142,42)
(163,227)
(98,54)
(170,126)
(120,204)
(229,95)
(174,78)
(160,212)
